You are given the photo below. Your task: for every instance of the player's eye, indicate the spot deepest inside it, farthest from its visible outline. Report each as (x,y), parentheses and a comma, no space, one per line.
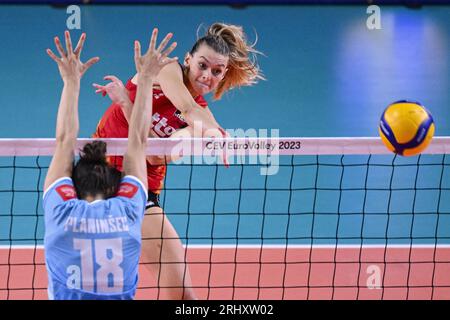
(202,65)
(217,72)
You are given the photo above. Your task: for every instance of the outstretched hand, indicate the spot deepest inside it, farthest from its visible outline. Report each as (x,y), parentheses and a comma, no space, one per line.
(69,64)
(114,89)
(154,59)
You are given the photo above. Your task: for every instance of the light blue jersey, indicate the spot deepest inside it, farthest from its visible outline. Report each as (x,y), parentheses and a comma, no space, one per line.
(92,249)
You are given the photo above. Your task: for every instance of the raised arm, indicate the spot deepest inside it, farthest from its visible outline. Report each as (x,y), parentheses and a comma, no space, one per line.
(71,70)
(147,67)
(171,81)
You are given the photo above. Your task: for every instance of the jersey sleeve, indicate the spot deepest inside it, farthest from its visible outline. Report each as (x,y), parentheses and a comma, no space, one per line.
(132,89)
(201,101)
(59,192)
(133,193)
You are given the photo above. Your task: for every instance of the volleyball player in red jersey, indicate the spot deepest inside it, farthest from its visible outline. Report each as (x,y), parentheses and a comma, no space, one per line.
(219,61)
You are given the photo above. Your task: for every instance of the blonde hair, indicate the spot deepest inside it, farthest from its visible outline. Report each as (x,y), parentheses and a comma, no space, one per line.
(231,41)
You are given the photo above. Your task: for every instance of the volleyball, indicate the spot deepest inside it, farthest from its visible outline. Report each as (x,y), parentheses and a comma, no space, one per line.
(406,127)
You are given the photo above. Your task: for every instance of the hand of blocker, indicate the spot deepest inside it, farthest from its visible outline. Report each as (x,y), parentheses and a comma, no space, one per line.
(154,59)
(69,64)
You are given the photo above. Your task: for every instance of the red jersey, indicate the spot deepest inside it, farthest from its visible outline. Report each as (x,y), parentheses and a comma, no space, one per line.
(166,119)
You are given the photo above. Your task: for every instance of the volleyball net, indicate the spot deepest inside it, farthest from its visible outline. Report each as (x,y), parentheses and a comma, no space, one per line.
(290,218)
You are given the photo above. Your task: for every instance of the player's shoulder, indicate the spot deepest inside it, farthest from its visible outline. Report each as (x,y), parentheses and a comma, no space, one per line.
(60,193)
(171,71)
(177,68)
(64,187)
(131,84)
(130,186)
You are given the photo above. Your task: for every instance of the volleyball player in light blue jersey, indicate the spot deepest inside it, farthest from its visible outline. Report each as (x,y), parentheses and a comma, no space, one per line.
(93,215)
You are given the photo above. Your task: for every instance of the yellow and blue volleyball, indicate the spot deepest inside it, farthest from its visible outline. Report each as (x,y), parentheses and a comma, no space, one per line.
(406,127)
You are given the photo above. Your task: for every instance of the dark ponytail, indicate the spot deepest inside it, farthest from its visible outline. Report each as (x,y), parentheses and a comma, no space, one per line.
(94,153)
(92,175)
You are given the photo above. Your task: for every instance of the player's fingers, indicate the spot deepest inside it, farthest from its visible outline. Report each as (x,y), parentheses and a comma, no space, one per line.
(80,45)
(68,42)
(223,132)
(225,160)
(103,92)
(165,41)
(100,89)
(98,86)
(152,45)
(137,50)
(90,62)
(59,47)
(169,49)
(169,60)
(225,154)
(52,55)
(112,78)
